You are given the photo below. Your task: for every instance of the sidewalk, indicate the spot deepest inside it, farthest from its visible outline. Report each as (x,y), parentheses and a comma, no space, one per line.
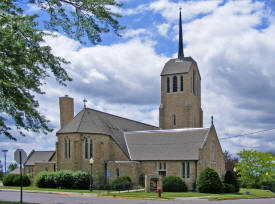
(53,192)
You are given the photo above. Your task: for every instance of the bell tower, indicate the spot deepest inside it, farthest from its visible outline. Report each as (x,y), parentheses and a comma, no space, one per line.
(180,92)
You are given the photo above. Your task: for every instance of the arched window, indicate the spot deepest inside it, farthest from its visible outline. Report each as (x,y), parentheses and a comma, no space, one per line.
(194,82)
(168,85)
(91,148)
(174,119)
(175,84)
(213,155)
(181,83)
(86,148)
(117,172)
(67,148)
(183,170)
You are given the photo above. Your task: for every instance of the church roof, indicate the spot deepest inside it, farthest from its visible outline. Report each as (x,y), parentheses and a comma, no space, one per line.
(177,66)
(39,156)
(93,121)
(170,144)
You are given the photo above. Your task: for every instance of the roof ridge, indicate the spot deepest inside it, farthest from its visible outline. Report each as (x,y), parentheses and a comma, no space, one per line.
(121,117)
(167,130)
(69,122)
(81,119)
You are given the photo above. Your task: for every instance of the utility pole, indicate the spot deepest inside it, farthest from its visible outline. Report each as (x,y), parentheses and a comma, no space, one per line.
(5,155)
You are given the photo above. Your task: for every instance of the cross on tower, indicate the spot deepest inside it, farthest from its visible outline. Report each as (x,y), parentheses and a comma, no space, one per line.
(84,101)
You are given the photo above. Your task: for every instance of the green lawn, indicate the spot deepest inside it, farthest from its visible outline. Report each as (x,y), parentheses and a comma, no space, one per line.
(53,189)
(171,195)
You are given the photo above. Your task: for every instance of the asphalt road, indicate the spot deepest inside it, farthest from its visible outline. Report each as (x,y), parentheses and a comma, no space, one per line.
(60,199)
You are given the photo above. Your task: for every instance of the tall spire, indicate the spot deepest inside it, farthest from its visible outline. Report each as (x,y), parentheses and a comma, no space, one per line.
(180,53)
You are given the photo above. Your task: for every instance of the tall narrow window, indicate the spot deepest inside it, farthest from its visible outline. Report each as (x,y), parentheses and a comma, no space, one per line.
(117,172)
(86,148)
(213,155)
(194,82)
(181,83)
(168,85)
(175,84)
(183,170)
(174,119)
(188,170)
(191,84)
(91,148)
(67,148)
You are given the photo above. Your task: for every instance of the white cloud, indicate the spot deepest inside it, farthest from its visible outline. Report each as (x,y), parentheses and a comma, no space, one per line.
(163,29)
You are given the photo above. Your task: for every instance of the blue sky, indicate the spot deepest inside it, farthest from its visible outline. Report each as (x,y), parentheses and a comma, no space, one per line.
(232,42)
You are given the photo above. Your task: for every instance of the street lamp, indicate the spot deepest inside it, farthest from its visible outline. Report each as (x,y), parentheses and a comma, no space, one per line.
(91,161)
(5,152)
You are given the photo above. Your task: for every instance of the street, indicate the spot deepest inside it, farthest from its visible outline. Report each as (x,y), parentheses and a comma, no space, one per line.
(59,199)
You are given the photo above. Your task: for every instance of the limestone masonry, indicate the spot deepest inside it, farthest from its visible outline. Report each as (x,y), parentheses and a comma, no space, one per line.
(121,147)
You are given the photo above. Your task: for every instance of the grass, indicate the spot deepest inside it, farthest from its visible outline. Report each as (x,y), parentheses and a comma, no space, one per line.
(8,202)
(255,193)
(34,188)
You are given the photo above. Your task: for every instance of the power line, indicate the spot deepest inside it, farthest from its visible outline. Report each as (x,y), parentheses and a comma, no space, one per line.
(250,133)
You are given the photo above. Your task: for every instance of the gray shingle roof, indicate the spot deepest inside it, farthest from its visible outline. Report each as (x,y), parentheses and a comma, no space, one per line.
(39,156)
(93,121)
(172,144)
(178,66)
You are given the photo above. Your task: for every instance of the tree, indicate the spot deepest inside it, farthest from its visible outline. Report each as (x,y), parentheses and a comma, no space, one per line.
(25,62)
(230,161)
(254,167)
(210,182)
(12,166)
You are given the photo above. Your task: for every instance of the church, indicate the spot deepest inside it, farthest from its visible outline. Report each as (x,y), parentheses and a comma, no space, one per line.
(110,146)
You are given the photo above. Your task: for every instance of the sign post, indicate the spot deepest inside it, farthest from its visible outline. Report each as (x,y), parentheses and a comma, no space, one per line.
(20,157)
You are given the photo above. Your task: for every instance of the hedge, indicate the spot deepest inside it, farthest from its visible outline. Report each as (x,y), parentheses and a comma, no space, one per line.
(122,183)
(64,179)
(174,184)
(230,178)
(210,182)
(81,180)
(14,180)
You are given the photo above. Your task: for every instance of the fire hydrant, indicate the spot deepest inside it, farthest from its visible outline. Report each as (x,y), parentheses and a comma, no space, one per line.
(159,192)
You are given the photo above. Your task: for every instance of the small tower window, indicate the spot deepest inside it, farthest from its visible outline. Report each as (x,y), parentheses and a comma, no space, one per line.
(194,82)
(175,84)
(174,119)
(181,83)
(191,85)
(168,85)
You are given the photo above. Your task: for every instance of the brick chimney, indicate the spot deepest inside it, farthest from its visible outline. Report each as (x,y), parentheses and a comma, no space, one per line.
(66,105)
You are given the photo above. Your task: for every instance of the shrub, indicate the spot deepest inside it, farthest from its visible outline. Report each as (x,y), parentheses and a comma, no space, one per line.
(122,183)
(229,188)
(8,180)
(141,179)
(41,179)
(210,182)
(81,180)
(64,179)
(174,184)
(25,180)
(269,185)
(50,180)
(230,178)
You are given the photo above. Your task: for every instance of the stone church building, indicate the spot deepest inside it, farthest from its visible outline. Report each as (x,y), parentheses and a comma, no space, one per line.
(118,146)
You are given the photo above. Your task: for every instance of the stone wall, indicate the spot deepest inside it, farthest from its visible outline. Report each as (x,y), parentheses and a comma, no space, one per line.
(43,166)
(104,149)
(173,168)
(205,154)
(185,105)
(126,168)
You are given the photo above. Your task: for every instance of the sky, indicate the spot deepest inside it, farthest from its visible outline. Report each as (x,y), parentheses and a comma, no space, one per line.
(232,42)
